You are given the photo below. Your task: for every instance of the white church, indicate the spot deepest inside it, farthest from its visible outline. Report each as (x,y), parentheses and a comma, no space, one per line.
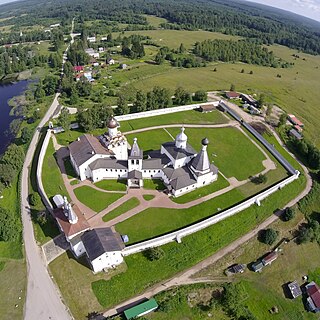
(109,156)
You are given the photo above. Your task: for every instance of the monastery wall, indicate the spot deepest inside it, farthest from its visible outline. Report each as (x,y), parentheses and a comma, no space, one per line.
(42,153)
(159,112)
(179,234)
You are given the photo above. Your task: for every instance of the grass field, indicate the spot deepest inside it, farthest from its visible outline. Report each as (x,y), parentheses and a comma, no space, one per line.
(130,204)
(142,273)
(148,197)
(94,199)
(153,184)
(186,117)
(13,278)
(232,152)
(295,92)
(112,185)
(173,38)
(268,289)
(51,175)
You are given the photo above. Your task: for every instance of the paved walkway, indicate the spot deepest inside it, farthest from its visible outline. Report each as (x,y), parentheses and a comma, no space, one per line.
(55,248)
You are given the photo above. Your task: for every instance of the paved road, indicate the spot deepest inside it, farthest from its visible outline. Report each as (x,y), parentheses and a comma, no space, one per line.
(43,300)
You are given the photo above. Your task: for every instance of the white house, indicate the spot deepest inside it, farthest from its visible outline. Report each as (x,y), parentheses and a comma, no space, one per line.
(110,61)
(92,53)
(91,39)
(109,156)
(103,248)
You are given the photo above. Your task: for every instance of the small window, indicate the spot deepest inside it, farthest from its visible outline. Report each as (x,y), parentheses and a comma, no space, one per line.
(144,171)
(137,161)
(110,170)
(120,170)
(106,169)
(132,161)
(159,171)
(152,176)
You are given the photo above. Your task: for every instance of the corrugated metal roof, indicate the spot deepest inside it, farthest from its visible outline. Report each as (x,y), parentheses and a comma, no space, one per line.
(141,309)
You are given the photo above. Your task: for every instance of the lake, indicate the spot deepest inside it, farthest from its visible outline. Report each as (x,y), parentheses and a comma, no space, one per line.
(8,91)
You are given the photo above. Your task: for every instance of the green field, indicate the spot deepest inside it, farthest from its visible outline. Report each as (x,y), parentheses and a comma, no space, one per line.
(142,273)
(51,176)
(112,185)
(173,38)
(130,204)
(153,184)
(94,199)
(232,152)
(185,117)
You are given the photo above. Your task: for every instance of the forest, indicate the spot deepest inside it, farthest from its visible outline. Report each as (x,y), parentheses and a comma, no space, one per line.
(261,24)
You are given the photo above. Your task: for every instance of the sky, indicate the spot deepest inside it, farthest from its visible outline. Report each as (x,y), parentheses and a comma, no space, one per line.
(307,8)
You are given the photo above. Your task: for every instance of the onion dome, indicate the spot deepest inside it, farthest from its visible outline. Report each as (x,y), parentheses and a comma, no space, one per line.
(182,137)
(112,123)
(205,141)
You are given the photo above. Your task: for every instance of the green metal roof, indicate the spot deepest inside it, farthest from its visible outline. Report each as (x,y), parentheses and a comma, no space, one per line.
(140,309)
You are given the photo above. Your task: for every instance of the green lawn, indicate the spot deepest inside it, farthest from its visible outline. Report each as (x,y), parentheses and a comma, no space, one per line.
(94,199)
(130,204)
(148,197)
(13,279)
(75,276)
(51,175)
(204,191)
(142,273)
(112,185)
(153,222)
(230,150)
(150,140)
(153,184)
(185,117)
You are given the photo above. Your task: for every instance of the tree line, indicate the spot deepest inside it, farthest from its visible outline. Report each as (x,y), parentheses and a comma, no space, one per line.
(242,50)
(267,26)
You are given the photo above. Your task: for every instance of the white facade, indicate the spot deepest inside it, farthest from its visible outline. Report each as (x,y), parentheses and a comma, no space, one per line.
(78,248)
(107,260)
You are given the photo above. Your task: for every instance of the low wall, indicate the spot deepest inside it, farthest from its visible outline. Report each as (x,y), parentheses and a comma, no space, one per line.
(159,112)
(179,234)
(41,190)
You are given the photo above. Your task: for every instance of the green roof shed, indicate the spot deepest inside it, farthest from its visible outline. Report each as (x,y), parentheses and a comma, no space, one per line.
(141,309)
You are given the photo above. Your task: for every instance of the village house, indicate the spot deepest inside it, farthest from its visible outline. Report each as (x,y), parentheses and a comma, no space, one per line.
(91,39)
(110,61)
(109,156)
(295,134)
(92,53)
(207,108)
(294,289)
(232,95)
(249,99)
(313,300)
(269,258)
(295,121)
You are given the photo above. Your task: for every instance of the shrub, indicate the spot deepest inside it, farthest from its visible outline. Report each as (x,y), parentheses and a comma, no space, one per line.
(288,214)
(153,254)
(34,199)
(269,236)
(10,228)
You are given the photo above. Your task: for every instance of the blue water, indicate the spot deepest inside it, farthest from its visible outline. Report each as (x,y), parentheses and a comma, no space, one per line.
(8,91)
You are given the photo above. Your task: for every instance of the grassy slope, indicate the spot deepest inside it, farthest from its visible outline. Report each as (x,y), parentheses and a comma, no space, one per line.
(94,199)
(51,175)
(142,273)
(128,205)
(186,117)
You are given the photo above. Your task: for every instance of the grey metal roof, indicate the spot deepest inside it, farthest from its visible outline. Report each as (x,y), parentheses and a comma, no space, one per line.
(86,147)
(201,161)
(99,241)
(178,153)
(156,154)
(106,163)
(180,177)
(134,174)
(135,152)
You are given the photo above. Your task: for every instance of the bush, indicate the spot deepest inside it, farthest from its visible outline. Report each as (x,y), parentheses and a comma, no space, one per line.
(200,95)
(269,236)
(153,254)
(288,214)
(35,199)
(10,228)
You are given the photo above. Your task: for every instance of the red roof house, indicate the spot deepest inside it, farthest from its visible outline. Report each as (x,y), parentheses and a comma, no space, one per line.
(78,68)
(232,95)
(295,121)
(313,300)
(269,258)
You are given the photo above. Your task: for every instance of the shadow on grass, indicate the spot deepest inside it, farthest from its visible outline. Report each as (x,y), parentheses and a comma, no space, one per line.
(81,260)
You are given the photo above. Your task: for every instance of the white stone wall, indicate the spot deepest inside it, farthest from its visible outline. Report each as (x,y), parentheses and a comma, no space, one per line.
(107,260)
(84,170)
(101,174)
(42,153)
(178,235)
(206,179)
(158,112)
